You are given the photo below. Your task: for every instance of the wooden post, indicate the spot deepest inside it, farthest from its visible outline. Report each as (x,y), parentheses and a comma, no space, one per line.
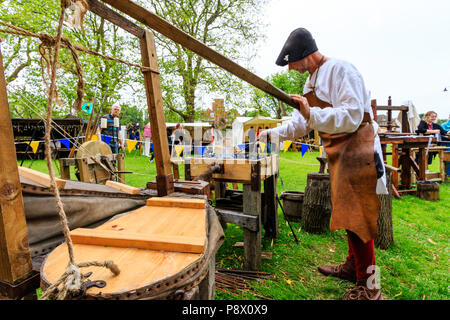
(121,167)
(164,177)
(422,164)
(15,257)
(271,207)
(406,168)
(389,117)
(83,169)
(395,164)
(252,206)
(65,169)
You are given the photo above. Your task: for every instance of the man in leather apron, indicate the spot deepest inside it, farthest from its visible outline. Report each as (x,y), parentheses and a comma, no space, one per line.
(337,104)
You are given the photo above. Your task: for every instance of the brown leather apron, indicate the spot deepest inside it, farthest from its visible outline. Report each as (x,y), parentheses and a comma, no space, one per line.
(353,177)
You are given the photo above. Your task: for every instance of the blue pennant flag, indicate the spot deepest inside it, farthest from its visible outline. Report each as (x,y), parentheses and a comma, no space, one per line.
(200,150)
(87,107)
(241,146)
(106,139)
(304,149)
(65,142)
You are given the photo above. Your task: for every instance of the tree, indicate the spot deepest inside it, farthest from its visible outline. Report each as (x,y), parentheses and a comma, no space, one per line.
(231,27)
(104,79)
(290,82)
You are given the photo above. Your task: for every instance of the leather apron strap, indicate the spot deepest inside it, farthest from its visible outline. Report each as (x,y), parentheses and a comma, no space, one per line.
(353,177)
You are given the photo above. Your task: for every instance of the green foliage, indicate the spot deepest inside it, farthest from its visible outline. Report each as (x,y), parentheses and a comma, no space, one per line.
(104,79)
(290,82)
(231,27)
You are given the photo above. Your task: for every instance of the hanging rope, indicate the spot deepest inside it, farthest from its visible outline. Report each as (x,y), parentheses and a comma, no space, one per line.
(72,278)
(50,41)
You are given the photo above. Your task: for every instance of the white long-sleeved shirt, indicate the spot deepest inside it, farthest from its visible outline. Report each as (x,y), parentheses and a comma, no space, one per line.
(339,83)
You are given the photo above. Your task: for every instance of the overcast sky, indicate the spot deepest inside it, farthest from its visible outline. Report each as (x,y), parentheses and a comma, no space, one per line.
(401,48)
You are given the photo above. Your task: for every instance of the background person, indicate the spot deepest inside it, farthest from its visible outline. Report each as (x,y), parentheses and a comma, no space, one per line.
(110,126)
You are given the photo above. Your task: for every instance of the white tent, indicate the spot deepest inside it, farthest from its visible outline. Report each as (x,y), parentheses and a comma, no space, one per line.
(241,125)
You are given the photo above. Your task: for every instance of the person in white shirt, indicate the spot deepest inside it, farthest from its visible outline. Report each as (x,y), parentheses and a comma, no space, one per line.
(336,103)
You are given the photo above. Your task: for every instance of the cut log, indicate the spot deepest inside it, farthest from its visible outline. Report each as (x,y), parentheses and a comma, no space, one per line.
(428,190)
(122,187)
(40,177)
(316,210)
(384,222)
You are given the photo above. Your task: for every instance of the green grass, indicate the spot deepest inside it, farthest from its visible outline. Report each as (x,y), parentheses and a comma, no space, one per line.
(415,267)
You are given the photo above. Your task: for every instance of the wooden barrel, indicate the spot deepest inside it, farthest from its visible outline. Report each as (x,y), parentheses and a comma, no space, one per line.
(316,210)
(292,205)
(428,190)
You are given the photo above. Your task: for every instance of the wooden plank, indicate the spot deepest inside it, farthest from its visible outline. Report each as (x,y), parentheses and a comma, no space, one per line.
(248,221)
(122,187)
(393,108)
(172,243)
(138,267)
(40,177)
(115,18)
(252,239)
(270,208)
(162,26)
(152,82)
(15,257)
(177,202)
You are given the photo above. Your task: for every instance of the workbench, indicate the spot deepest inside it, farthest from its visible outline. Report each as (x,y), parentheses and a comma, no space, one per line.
(402,158)
(249,208)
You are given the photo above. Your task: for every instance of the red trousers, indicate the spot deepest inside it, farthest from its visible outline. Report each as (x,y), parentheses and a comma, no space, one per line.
(362,254)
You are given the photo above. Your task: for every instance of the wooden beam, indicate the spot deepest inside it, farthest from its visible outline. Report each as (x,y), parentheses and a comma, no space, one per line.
(122,187)
(15,257)
(40,177)
(106,13)
(177,202)
(248,221)
(164,177)
(162,26)
(138,240)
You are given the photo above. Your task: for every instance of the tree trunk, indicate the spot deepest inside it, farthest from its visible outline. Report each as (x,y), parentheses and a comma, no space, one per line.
(384,222)
(316,211)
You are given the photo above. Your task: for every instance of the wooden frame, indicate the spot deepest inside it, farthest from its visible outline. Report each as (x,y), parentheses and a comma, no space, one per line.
(15,261)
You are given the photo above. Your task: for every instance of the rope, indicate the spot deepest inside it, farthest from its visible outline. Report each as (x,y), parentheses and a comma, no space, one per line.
(49,41)
(72,279)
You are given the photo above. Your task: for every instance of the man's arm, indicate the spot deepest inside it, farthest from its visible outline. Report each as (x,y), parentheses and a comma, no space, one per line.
(294,128)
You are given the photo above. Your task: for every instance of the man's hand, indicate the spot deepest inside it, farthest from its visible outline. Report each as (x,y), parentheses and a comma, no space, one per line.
(304,105)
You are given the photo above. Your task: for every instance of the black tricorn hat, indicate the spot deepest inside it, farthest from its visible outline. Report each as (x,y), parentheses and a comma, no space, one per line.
(299,45)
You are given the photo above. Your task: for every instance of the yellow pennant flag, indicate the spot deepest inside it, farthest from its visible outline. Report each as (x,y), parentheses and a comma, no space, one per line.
(287,144)
(321,151)
(34,145)
(178,149)
(94,137)
(131,144)
(262,145)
